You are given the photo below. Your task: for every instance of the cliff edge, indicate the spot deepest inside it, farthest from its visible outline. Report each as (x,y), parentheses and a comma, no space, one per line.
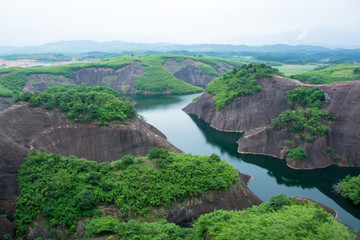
(252,115)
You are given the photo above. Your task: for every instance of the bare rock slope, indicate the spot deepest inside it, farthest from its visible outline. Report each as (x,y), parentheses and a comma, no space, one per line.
(252,115)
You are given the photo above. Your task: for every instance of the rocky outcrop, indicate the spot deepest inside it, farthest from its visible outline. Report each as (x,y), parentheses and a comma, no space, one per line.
(23,128)
(5,103)
(123,79)
(238,197)
(189,71)
(253,114)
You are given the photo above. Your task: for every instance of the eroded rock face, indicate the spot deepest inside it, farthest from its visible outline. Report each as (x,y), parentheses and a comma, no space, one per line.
(189,71)
(23,128)
(238,197)
(123,79)
(5,103)
(253,114)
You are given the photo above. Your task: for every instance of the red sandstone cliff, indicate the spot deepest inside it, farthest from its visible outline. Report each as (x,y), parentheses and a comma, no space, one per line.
(252,115)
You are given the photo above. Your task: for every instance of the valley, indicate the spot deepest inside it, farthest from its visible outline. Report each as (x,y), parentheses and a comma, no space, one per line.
(233,116)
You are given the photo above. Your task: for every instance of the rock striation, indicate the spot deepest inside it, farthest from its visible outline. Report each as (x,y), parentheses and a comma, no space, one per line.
(122,79)
(252,115)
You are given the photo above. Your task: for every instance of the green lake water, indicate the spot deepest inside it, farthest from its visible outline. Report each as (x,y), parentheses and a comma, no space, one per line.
(270,175)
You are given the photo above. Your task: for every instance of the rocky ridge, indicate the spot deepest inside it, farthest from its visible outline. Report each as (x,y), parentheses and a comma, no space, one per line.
(124,79)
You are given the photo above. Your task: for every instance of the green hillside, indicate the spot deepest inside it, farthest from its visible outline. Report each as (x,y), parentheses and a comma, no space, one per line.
(330,74)
(239,82)
(82,103)
(155,79)
(64,189)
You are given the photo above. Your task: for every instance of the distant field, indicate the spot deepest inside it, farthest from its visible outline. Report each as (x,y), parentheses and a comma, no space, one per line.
(295,69)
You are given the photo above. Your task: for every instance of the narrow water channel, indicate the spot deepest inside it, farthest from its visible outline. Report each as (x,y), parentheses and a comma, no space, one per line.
(270,176)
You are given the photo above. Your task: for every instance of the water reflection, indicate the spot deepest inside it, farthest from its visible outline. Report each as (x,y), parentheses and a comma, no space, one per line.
(271,175)
(322,179)
(153,102)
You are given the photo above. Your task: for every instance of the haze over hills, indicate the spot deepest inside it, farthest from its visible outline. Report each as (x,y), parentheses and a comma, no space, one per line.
(81,46)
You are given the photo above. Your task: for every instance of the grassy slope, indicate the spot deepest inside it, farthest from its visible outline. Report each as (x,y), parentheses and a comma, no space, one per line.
(155,78)
(290,69)
(330,74)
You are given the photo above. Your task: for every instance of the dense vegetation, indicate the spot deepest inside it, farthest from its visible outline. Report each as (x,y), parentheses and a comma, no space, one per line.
(82,103)
(296,154)
(306,97)
(136,230)
(330,74)
(350,188)
(309,121)
(155,78)
(66,188)
(240,82)
(281,218)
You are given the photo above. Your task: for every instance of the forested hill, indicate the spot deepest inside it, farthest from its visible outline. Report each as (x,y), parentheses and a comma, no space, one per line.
(152,74)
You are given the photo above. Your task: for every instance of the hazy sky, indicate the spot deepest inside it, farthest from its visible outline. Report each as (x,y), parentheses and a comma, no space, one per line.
(253,22)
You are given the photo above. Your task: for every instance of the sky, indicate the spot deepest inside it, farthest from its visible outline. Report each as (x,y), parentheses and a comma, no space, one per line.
(251,22)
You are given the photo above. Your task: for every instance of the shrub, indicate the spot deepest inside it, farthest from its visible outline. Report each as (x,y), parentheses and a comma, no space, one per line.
(86,199)
(218,183)
(306,97)
(296,154)
(215,157)
(278,201)
(127,160)
(337,158)
(308,123)
(329,151)
(350,188)
(289,143)
(158,153)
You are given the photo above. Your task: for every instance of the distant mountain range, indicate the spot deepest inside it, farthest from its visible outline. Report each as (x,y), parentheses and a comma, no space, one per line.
(84,46)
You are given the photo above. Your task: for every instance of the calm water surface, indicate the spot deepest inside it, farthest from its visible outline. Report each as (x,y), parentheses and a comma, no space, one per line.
(270,176)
